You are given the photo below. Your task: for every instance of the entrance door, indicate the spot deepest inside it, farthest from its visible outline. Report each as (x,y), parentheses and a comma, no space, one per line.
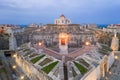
(62,41)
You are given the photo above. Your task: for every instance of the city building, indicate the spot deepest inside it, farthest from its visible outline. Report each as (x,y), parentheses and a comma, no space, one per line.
(64,51)
(112,28)
(50,33)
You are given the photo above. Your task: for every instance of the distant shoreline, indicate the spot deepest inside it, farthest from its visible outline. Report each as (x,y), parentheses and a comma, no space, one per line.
(98,25)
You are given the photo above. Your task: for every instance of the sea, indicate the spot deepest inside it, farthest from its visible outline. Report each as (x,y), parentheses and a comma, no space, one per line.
(98,25)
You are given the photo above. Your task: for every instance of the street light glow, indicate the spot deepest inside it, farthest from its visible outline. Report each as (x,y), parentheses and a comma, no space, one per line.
(14,66)
(22,77)
(87,43)
(116,57)
(15,55)
(39,43)
(110,72)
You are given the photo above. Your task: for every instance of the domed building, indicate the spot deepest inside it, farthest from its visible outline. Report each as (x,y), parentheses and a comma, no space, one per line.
(62,20)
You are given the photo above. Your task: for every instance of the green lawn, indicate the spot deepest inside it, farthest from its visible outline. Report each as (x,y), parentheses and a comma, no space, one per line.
(2,70)
(47,60)
(34,60)
(81,68)
(49,67)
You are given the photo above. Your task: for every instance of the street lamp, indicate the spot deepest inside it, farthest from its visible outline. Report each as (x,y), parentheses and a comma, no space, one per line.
(40,43)
(14,66)
(110,72)
(87,43)
(15,55)
(116,57)
(22,77)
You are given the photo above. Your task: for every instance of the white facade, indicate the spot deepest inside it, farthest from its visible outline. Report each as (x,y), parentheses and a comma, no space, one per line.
(62,20)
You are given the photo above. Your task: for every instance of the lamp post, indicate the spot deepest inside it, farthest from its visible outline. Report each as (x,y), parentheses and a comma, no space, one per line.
(14,55)
(21,77)
(116,57)
(14,66)
(87,43)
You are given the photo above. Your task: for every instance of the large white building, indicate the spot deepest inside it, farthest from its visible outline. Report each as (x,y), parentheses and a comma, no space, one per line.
(50,33)
(60,61)
(62,20)
(112,28)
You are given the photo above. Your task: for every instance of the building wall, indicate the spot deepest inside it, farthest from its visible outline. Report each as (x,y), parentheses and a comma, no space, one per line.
(111,59)
(30,70)
(93,75)
(96,73)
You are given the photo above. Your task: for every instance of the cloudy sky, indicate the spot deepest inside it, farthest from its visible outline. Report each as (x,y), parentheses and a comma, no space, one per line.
(45,11)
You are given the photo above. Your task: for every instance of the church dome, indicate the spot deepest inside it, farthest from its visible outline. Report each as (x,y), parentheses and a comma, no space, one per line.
(62,16)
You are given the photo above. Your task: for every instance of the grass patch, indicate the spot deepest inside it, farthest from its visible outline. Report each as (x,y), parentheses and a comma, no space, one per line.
(73,72)
(47,60)
(2,70)
(81,68)
(49,67)
(34,60)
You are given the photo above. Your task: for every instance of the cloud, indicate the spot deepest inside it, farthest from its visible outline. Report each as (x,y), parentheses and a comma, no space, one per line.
(50,9)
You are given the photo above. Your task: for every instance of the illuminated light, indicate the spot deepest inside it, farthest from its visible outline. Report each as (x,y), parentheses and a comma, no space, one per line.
(116,57)
(64,36)
(39,43)
(87,43)
(14,67)
(15,55)
(106,78)
(110,72)
(62,41)
(22,77)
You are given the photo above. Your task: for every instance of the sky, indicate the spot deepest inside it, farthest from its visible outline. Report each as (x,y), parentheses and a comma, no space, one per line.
(45,11)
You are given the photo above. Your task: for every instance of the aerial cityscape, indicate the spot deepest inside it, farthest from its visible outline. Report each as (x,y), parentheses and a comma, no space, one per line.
(66,40)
